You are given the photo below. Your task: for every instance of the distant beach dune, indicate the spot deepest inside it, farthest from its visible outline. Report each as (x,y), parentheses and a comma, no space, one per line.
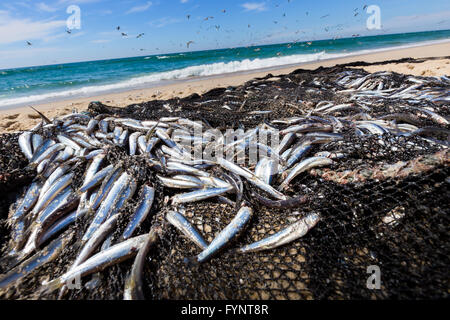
(22,118)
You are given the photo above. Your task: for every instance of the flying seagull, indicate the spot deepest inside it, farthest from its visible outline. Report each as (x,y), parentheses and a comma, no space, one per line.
(29,43)
(124,34)
(189,43)
(188,16)
(140,35)
(118,28)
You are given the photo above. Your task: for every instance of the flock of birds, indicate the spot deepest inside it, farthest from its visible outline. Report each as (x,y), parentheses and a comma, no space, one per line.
(224,11)
(58,198)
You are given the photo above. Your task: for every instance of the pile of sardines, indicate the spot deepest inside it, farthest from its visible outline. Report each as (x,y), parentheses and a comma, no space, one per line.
(56,147)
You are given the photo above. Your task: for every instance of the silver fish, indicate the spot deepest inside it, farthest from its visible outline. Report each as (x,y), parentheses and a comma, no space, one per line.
(247,174)
(235,227)
(132,141)
(28,201)
(52,192)
(288,234)
(48,153)
(180,167)
(68,142)
(145,204)
(25,144)
(96,179)
(108,204)
(182,224)
(99,261)
(199,195)
(106,186)
(133,283)
(60,226)
(179,184)
(304,166)
(50,253)
(36,141)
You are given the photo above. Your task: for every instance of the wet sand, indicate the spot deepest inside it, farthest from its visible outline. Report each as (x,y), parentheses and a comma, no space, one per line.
(22,118)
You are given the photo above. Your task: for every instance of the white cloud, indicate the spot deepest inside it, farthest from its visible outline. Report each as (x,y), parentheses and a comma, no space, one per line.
(140,8)
(162,22)
(100,41)
(254,6)
(16,30)
(41,6)
(425,20)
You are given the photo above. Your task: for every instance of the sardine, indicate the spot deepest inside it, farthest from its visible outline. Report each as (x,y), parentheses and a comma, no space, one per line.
(145,204)
(232,230)
(199,195)
(98,262)
(184,226)
(287,235)
(108,204)
(133,284)
(25,144)
(304,166)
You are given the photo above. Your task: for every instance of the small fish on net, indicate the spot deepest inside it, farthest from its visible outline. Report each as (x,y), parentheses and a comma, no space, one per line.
(111,186)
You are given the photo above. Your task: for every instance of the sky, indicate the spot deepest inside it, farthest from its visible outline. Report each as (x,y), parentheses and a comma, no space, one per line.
(167,25)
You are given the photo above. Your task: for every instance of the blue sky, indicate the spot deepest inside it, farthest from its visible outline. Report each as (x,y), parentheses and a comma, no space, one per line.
(166,26)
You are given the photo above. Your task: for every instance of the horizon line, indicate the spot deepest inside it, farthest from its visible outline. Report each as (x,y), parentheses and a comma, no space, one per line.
(225,48)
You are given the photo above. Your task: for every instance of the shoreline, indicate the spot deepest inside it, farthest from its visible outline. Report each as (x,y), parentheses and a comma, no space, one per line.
(20,118)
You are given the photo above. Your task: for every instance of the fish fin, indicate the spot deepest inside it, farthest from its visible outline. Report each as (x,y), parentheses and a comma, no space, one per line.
(42,115)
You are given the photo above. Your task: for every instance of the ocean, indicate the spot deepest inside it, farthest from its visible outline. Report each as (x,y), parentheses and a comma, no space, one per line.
(40,84)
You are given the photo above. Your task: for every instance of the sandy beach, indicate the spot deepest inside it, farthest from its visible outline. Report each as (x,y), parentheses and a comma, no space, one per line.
(16,119)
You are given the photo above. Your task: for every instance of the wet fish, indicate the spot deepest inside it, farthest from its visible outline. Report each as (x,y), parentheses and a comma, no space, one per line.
(50,253)
(98,262)
(28,201)
(108,204)
(287,235)
(184,226)
(199,195)
(233,229)
(146,200)
(134,284)
(25,144)
(304,166)
(52,192)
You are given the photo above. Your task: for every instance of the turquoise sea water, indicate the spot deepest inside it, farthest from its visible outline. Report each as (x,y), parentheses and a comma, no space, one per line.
(24,86)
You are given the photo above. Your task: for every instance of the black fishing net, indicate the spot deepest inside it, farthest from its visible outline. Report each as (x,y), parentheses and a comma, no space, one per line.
(384,204)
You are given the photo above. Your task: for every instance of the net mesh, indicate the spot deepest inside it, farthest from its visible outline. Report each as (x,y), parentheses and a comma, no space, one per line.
(384,204)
